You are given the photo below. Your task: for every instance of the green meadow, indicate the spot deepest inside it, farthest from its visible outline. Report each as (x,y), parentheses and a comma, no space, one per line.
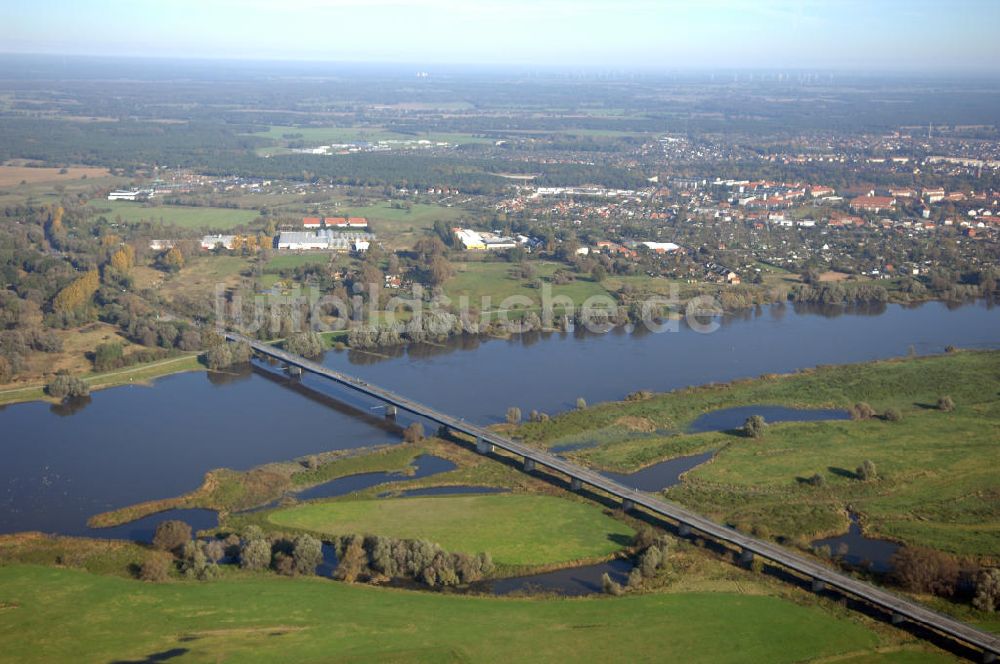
(62,615)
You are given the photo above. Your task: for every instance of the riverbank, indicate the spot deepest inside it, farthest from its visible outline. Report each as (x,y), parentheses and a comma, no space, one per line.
(142,374)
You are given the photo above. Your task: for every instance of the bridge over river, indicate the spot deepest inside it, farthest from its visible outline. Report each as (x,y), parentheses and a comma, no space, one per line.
(898,608)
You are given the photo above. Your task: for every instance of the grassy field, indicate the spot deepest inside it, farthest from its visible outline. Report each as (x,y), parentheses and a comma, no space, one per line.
(104,619)
(216,219)
(478,280)
(936,486)
(200,275)
(515,529)
(14,175)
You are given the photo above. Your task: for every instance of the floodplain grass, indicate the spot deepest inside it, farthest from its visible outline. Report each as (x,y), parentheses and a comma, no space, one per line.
(479,279)
(216,219)
(267,618)
(517,530)
(937,483)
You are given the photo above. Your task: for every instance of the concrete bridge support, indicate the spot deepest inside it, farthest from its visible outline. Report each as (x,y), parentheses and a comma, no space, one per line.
(483,447)
(293,370)
(818,586)
(575,484)
(627,505)
(390,412)
(896,618)
(746,556)
(529,465)
(989,657)
(683,530)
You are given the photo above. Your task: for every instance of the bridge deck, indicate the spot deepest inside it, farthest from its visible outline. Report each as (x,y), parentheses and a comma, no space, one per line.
(917,613)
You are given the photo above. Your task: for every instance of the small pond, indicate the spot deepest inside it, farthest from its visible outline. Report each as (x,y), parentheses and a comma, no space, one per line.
(857,550)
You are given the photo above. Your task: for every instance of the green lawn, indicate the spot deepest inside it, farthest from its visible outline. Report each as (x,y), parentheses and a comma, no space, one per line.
(217,219)
(478,280)
(515,529)
(937,484)
(60,615)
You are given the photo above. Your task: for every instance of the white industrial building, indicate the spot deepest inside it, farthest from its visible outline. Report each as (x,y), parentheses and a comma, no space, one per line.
(324,240)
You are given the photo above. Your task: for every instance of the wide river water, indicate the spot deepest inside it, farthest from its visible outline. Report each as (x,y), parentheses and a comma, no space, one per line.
(131,444)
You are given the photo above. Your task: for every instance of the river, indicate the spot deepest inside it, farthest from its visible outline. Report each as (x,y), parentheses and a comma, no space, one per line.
(134,443)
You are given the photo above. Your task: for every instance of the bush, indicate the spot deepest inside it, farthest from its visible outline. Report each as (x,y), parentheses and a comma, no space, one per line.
(171,535)
(413,433)
(581,403)
(307,554)
(754,427)
(866,472)
(308,344)
(155,569)
(923,570)
(862,411)
(946,404)
(650,561)
(892,415)
(255,555)
(513,415)
(816,480)
(987,591)
(108,356)
(67,387)
(610,586)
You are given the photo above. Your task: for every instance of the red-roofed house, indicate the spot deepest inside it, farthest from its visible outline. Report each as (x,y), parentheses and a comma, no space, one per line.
(872,203)
(311,222)
(336,222)
(357,222)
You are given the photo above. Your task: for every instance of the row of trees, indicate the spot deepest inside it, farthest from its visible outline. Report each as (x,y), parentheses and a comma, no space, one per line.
(373,557)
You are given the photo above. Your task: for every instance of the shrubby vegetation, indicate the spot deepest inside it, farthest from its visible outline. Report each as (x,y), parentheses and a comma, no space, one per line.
(375,557)
(227,354)
(307,344)
(67,387)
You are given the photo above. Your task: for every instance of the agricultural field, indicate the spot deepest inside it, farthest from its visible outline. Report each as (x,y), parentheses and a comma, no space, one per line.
(517,530)
(478,280)
(11,176)
(258,618)
(215,219)
(935,486)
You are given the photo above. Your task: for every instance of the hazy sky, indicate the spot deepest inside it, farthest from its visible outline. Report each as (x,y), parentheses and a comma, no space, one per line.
(852,34)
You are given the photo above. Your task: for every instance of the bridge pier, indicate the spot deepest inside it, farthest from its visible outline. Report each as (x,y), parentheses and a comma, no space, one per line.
(293,370)
(575,484)
(627,505)
(390,412)
(818,586)
(746,556)
(896,618)
(989,657)
(683,530)
(529,465)
(483,447)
